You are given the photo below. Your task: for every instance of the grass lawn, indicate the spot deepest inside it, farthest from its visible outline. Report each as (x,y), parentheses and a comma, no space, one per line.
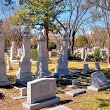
(88,101)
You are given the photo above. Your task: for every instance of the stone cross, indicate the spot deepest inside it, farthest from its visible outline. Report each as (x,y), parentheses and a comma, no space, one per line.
(24,74)
(42,64)
(62,66)
(3,77)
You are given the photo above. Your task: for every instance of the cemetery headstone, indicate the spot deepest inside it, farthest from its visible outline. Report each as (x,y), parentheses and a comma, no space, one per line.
(86,69)
(24,73)
(13,51)
(3,77)
(62,66)
(9,67)
(41,93)
(97,66)
(99,82)
(42,64)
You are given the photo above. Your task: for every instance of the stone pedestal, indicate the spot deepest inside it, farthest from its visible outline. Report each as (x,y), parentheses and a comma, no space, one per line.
(62,66)
(13,51)
(42,64)
(24,74)
(3,77)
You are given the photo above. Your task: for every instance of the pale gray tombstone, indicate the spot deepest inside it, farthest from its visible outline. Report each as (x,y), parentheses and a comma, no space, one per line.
(3,77)
(75,92)
(62,66)
(83,53)
(9,67)
(41,93)
(13,51)
(42,64)
(97,66)
(86,69)
(24,73)
(99,82)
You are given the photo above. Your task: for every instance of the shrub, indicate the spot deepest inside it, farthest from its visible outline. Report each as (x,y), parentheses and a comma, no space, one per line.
(51,45)
(74,57)
(96,54)
(34,54)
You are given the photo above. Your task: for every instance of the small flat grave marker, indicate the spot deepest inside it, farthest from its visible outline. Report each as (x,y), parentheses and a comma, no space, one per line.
(76,92)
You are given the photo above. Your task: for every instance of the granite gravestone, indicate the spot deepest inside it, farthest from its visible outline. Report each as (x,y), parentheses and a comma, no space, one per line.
(41,93)
(42,64)
(13,51)
(99,81)
(3,77)
(86,69)
(62,66)
(97,66)
(24,73)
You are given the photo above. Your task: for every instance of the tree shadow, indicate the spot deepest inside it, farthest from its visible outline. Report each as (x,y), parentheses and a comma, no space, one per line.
(103,102)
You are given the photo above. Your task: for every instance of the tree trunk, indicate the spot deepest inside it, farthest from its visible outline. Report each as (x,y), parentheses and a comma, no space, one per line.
(72,43)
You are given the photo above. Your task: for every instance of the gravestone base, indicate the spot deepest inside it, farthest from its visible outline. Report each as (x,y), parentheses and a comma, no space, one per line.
(23,77)
(40,104)
(98,89)
(42,74)
(4,80)
(60,72)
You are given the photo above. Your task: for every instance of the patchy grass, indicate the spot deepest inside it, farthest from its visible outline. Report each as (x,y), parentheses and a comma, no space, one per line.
(88,101)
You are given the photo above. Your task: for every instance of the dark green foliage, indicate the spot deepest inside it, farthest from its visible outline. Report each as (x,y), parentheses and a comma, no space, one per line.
(34,46)
(34,54)
(90,57)
(51,45)
(74,57)
(96,54)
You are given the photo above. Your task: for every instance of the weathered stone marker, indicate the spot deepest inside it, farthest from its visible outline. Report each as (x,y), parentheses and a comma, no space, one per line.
(41,93)
(86,69)
(99,82)
(97,66)
(42,64)
(13,51)
(24,74)
(3,77)
(62,66)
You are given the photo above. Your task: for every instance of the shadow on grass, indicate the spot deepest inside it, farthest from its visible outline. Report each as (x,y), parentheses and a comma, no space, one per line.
(103,102)
(60,103)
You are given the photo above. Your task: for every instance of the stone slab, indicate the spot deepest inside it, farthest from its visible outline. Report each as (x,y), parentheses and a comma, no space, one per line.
(62,107)
(75,92)
(39,105)
(18,97)
(98,89)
